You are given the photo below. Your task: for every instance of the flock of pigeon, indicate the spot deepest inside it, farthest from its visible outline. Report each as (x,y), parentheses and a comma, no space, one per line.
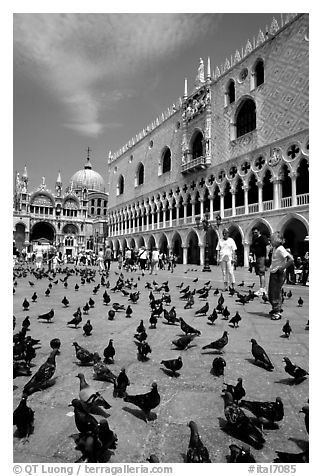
(246,420)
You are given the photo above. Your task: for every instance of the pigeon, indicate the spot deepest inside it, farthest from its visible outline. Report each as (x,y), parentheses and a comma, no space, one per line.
(188,329)
(75,321)
(106,298)
(179,285)
(111,314)
(65,301)
(260,355)
(31,283)
(241,284)
(289,294)
(55,344)
(107,437)
(183,342)
(251,286)
(283,457)
(270,411)
(184,290)
(76,287)
(120,384)
(287,328)
(109,352)
(295,371)
(83,420)
(141,336)
(89,396)
(118,307)
(140,327)
(218,366)
(23,418)
(26,323)
(86,308)
(47,292)
(226,313)
(42,377)
(83,355)
(300,302)
(25,305)
(47,316)
(203,310)
(34,297)
(305,410)
(153,322)
(147,401)
(21,369)
(143,350)
(216,292)
(213,316)
(129,311)
(195,280)
(197,452)
(153,459)
(221,300)
(102,370)
(218,344)
(87,328)
(174,365)
(91,302)
(240,454)
(190,302)
(235,320)
(237,391)
(240,422)
(265,298)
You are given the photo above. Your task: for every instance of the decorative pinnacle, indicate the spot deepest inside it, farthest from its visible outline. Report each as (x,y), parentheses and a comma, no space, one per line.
(208,69)
(185,95)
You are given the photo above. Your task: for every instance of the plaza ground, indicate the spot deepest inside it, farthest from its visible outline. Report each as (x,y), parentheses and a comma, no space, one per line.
(194,395)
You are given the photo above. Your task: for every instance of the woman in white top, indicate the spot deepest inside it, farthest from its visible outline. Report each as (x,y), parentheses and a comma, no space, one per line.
(100,260)
(154,260)
(226,248)
(39,256)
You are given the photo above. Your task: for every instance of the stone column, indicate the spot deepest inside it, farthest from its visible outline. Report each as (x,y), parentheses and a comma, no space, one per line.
(184,255)
(246,200)
(277,194)
(164,216)
(233,202)
(293,178)
(152,224)
(202,254)
(246,254)
(193,208)
(185,212)
(211,211)
(158,218)
(201,208)
(170,217)
(222,205)
(177,215)
(260,196)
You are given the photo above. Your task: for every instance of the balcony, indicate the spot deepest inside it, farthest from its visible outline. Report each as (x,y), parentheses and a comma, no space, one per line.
(302,199)
(194,165)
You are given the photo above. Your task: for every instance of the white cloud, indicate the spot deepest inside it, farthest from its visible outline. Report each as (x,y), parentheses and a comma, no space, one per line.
(87,61)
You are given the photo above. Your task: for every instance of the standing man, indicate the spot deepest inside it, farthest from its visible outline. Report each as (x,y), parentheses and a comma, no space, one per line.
(261,248)
(226,249)
(107,258)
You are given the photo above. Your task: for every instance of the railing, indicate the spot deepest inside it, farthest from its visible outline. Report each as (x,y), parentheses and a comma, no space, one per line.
(199,162)
(181,221)
(189,220)
(228,212)
(253,208)
(268,205)
(240,210)
(286,202)
(302,199)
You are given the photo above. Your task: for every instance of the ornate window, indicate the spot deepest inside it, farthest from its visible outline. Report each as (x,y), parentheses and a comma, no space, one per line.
(230,95)
(139,178)
(197,145)
(120,186)
(246,118)
(166,161)
(259,73)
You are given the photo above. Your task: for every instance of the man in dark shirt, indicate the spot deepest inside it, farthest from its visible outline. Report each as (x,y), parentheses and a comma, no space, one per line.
(260,247)
(107,258)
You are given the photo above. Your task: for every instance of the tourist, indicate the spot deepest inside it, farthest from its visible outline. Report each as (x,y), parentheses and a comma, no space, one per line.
(142,256)
(261,248)
(39,255)
(226,256)
(107,258)
(281,260)
(56,261)
(290,272)
(120,260)
(154,260)
(100,260)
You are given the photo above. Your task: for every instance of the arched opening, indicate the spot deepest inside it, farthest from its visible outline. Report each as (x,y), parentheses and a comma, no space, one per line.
(212,243)
(246,118)
(227,197)
(151,243)
(239,193)
(197,145)
(235,234)
(141,242)
(166,162)
(132,243)
(294,232)
(189,206)
(206,201)
(163,245)
(268,192)
(286,181)
(252,190)
(231,92)
(140,174)
(42,230)
(259,73)
(120,186)
(216,200)
(177,247)
(197,203)
(302,179)
(20,236)
(193,249)
(181,208)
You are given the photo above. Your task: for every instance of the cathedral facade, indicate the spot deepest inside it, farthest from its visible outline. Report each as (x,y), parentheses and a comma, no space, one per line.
(72,220)
(235,150)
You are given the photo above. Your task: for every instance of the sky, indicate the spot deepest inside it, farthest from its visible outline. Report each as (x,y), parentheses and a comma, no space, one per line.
(97,79)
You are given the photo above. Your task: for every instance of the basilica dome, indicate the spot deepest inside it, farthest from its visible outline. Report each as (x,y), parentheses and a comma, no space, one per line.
(88,178)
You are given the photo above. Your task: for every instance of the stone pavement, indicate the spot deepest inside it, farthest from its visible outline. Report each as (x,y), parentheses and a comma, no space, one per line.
(194,395)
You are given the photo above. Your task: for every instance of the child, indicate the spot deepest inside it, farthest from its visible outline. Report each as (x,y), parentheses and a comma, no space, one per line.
(281,260)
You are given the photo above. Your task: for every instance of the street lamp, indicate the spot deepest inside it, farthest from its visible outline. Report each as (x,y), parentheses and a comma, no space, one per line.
(206,226)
